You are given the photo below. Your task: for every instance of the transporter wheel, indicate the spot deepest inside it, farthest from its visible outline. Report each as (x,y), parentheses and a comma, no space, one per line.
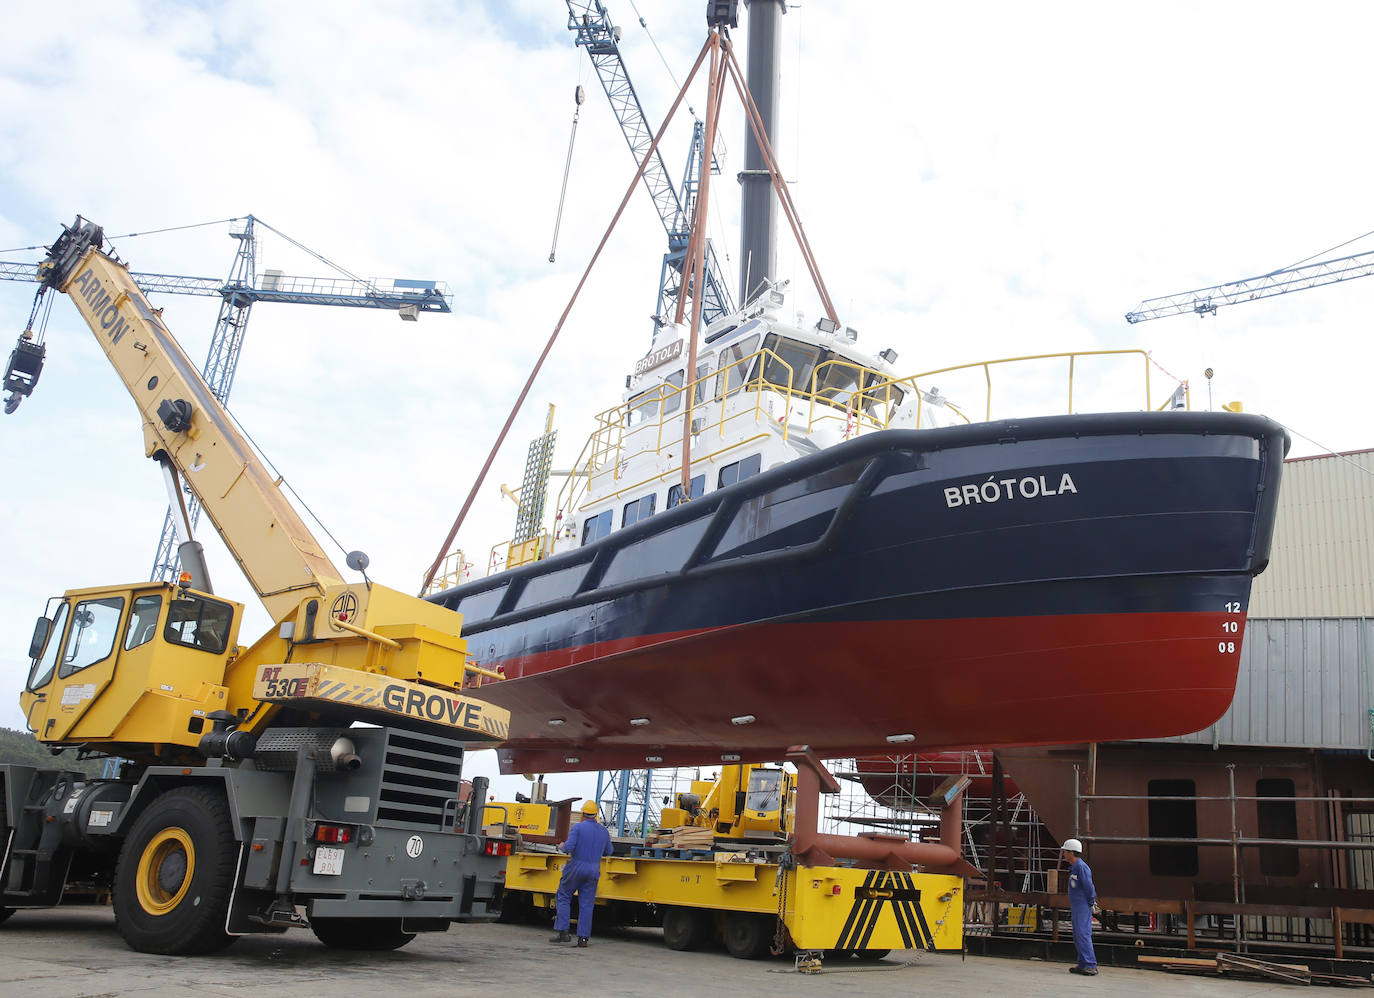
(5,913)
(684,928)
(370,934)
(747,935)
(871,955)
(175,875)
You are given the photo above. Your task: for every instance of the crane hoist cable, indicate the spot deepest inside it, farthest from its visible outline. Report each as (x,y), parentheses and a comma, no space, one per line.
(579,95)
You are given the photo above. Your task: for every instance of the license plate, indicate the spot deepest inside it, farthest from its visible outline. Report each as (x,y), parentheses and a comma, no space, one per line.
(329,861)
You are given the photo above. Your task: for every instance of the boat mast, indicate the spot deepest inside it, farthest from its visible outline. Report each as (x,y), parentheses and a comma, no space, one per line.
(758,205)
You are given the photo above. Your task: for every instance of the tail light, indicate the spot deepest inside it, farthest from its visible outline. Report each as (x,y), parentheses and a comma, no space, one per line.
(333,834)
(497,848)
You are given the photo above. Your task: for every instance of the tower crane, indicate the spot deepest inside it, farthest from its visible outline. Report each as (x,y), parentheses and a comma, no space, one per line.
(1206,301)
(238,293)
(591,22)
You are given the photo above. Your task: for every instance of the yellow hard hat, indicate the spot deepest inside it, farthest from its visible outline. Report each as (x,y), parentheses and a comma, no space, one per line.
(589,807)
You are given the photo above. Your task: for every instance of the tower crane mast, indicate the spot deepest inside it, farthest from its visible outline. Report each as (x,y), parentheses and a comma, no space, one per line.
(1206,301)
(591,22)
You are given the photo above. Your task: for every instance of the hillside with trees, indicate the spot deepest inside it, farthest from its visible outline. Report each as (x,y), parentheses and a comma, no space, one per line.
(22,749)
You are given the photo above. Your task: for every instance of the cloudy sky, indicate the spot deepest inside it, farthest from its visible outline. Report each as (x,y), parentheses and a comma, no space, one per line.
(978,181)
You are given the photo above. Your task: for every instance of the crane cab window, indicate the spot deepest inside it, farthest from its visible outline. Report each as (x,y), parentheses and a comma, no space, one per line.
(199,623)
(95,622)
(142,626)
(43,667)
(596,527)
(641,509)
(740,470)
(765,790)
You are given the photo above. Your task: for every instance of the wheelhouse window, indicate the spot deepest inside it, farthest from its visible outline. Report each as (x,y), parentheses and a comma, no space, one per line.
(644,406)
(699,393)
(142,626)
(95,623)
(1173,819)
(199,623)
(740,470)
(833,377)
(641,509)
(596,527)
(733,371)
(675,491)
(43,667)
(672,392)
(793,364)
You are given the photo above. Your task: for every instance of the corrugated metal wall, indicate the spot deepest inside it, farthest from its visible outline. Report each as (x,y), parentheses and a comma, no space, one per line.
(1322,559)
(1304,683)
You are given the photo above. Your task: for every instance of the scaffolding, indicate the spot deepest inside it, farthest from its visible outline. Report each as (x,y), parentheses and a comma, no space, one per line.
(1338,920)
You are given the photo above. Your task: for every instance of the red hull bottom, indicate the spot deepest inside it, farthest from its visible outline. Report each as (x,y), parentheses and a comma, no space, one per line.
(848,689)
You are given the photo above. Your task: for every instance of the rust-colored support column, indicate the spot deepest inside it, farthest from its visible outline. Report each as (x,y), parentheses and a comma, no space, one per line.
(812,848)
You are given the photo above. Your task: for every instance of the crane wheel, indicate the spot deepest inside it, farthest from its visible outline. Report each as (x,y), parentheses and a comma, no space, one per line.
(684,928)
(175,874)
(5,913)
(369,934)
(747,935)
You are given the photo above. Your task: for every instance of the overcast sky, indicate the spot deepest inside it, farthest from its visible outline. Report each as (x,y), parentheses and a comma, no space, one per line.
(978,181)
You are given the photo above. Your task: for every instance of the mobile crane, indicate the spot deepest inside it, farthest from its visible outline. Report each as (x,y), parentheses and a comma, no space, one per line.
(246,802)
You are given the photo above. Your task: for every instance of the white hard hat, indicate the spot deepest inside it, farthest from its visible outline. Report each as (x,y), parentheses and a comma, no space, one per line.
(1072,845)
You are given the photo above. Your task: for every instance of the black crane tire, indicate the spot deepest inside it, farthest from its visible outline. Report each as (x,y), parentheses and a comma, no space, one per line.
(175,874)
(374,935)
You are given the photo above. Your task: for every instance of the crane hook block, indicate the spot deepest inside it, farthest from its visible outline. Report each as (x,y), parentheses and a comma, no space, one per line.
(26,364)
(175,415)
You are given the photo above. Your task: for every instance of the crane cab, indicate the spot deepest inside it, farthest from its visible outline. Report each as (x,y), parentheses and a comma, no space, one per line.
(141,664)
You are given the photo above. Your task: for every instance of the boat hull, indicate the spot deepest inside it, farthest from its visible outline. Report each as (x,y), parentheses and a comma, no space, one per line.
(1063,579)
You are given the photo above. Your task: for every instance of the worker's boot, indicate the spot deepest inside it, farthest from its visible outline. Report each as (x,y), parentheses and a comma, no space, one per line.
(560,937)
(581,942)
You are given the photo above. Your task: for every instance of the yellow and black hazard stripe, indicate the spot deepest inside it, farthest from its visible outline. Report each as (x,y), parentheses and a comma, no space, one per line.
(879,889)
(348,692)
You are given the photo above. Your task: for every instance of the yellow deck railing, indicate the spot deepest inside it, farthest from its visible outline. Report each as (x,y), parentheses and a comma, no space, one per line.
(855,398)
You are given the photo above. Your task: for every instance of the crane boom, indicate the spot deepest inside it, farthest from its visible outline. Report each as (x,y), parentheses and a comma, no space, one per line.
(1206,301)
(182,419)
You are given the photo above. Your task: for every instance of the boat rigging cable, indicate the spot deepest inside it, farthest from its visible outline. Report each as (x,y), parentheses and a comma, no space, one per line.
(718,46)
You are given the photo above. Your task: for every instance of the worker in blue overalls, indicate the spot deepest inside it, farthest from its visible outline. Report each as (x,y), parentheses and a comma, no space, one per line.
(1082,902)
(587,843)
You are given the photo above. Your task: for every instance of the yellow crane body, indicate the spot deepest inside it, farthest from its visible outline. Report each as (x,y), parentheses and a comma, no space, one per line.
(246,797)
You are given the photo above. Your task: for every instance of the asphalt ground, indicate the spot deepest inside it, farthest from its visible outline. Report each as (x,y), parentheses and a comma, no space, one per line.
(76,952)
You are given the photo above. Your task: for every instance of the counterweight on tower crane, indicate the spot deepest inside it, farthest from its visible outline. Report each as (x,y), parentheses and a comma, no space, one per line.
(245,797)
